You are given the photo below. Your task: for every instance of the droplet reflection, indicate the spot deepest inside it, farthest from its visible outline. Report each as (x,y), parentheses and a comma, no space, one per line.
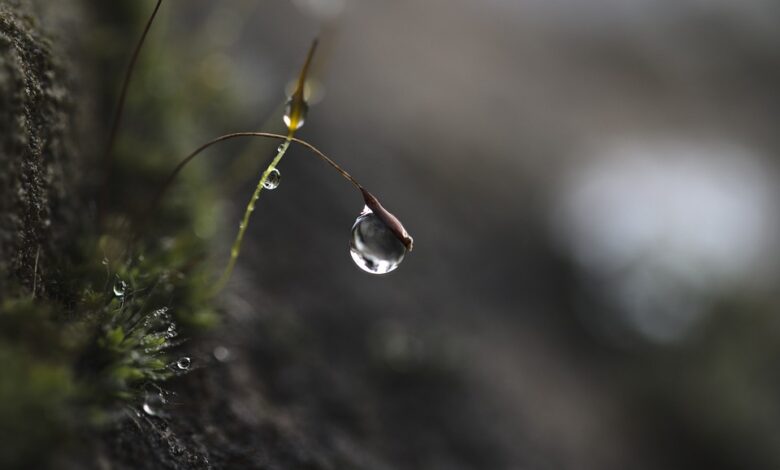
(295,114)
(273,179)
(153,404)
(184,363)
(373,246)
(120,287)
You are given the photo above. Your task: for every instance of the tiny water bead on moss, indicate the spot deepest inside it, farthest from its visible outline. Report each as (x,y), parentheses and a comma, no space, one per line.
(154,404)
(374,247)
(296,108)
(295,113)
(184,363)
(120,287)
(273,179)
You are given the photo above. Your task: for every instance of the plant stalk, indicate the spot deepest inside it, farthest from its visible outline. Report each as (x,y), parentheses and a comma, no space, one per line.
(108,156)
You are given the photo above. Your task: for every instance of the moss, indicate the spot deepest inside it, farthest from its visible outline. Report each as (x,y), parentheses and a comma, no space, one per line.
(76,354)
(37,423)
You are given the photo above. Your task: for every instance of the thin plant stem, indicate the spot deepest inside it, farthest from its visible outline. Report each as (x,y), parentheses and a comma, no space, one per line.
(369,199)
(245,165)
(152,208)
(108,156)
(35,271)
(235,249)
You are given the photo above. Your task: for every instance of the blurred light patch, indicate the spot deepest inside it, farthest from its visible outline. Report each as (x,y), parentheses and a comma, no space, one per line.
(211,70)
(225,25)
(664,227)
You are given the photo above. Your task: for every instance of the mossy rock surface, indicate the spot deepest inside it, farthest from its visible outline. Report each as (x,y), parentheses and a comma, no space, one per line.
(35,153)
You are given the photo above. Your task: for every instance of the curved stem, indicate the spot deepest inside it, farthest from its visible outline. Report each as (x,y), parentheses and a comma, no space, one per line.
(268,135)
(108,155)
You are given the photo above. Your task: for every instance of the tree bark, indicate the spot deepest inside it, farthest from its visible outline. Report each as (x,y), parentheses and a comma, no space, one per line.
(35,152)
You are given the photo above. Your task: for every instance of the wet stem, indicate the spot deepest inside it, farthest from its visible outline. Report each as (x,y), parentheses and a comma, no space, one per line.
(294,120)
(369,199)
(235,249)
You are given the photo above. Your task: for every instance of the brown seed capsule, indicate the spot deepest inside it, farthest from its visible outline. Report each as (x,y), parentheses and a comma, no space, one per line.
(389,219)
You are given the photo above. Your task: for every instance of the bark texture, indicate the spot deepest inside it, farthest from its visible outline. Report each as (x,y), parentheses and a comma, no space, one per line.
(34,150)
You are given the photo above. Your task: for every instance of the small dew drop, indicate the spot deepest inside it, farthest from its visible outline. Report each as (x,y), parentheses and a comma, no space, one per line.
(273,180)
(120,288)
(153,404)
(374,247)
(281,148)
(184,363)
(294,118)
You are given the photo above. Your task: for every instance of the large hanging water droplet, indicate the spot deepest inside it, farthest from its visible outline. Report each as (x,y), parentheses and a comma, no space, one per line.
(120,288)
(184,363)
(373,246)
(295,113)
(273,179)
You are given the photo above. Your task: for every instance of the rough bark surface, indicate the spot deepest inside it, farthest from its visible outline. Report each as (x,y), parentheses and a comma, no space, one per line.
(34,150)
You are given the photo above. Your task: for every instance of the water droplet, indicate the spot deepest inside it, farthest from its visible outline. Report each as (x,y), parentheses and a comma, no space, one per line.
(295,114)
(281,148)
(157,317)
(373,246)
(153,404)
(273,180)
(120,288)
(184,363)
(221,353)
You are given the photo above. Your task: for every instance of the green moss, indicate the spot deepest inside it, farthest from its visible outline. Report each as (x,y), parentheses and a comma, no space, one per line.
(74,352)
(37,390)
(36,402)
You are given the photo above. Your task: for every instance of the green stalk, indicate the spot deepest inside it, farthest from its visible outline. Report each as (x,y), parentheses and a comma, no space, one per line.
(108,158)
(235,249)
(294,119)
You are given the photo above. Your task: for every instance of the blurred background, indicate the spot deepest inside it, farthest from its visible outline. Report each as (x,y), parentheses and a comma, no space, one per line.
(593,191)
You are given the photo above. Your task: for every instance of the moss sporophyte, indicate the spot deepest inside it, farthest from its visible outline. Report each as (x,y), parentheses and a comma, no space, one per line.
(379,240)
